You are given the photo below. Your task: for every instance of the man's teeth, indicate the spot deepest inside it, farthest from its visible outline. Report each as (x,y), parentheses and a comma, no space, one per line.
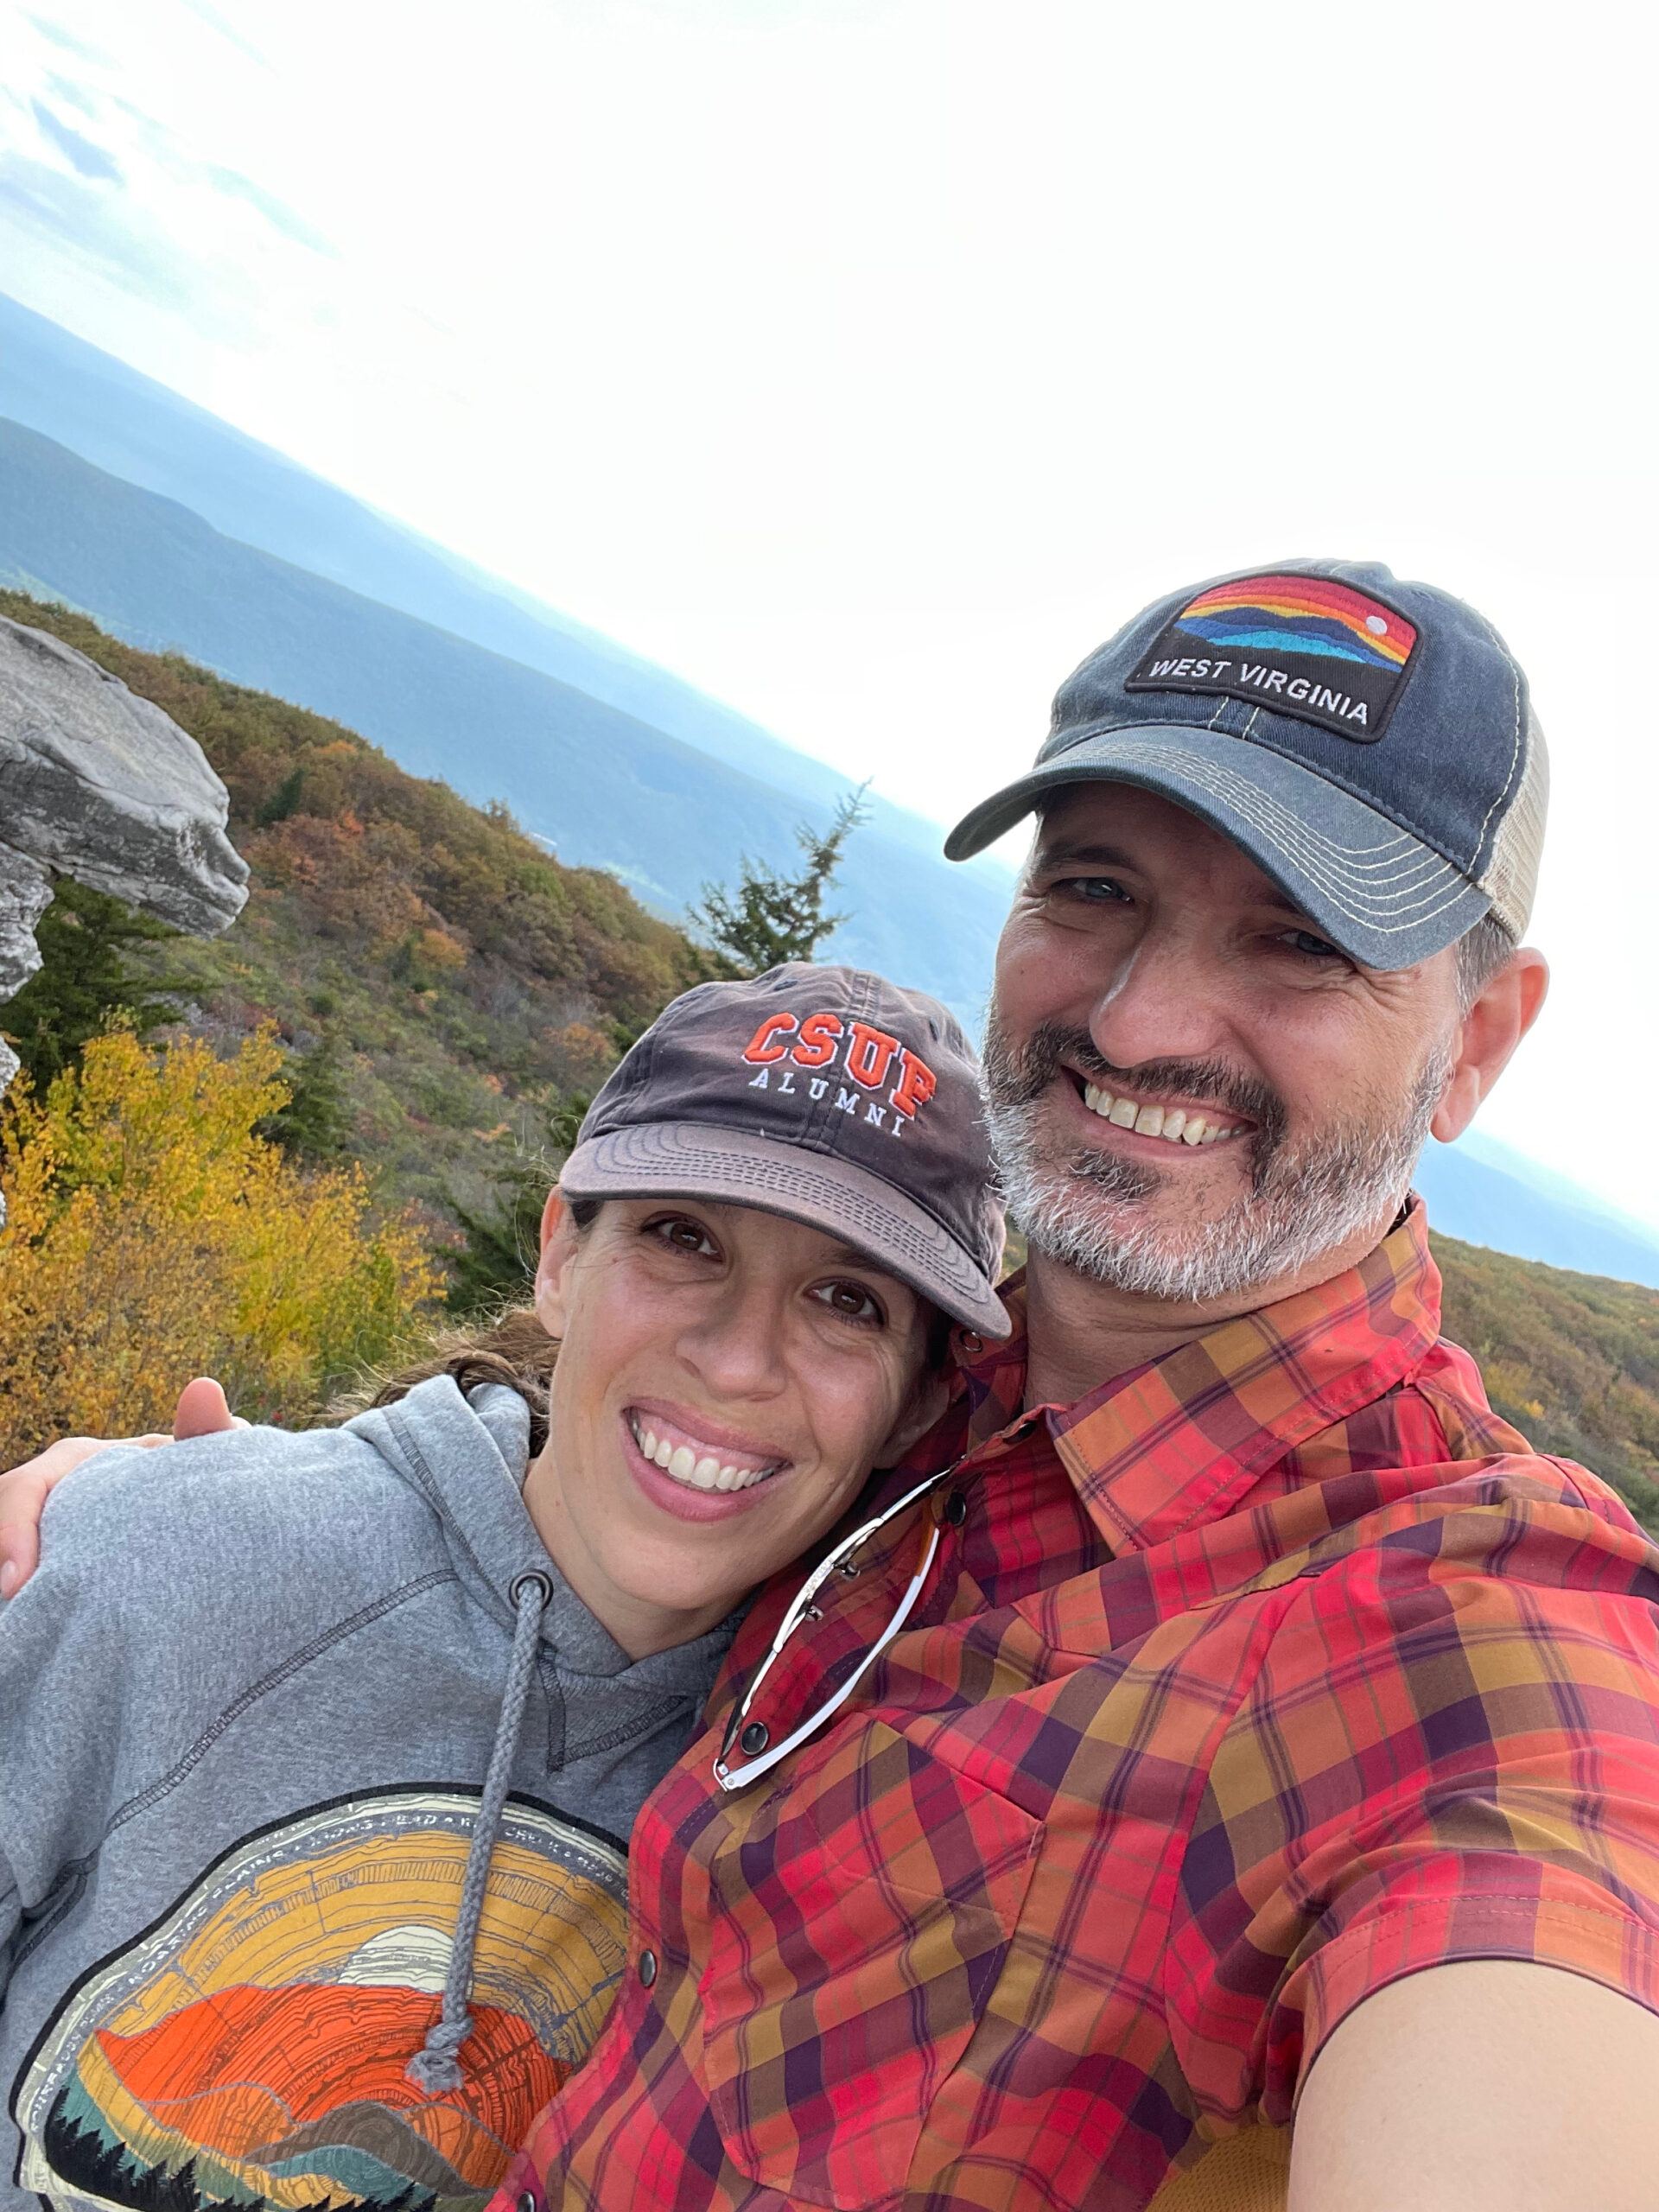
(683,1466)
(1174,1126)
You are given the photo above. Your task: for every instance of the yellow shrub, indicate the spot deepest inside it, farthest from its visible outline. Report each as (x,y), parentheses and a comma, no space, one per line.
(152,1234)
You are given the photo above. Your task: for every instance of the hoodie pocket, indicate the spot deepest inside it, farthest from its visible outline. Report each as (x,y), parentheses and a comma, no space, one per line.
(855,1936)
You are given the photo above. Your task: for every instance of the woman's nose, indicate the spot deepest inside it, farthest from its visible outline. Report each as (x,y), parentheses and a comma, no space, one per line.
(735,1346)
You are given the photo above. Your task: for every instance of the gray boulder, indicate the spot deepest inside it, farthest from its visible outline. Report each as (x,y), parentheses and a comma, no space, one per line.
(100,785)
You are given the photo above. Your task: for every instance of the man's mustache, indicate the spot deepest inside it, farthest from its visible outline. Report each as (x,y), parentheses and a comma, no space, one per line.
(1015,1075)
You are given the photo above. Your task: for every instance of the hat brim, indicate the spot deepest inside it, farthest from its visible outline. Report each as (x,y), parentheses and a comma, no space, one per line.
(696,1160)
(1382,895)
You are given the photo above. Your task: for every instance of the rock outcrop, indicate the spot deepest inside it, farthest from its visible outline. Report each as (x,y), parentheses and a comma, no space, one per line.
(100,785)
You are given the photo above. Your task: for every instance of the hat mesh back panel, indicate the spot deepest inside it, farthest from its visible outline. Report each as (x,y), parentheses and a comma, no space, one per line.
(1510,878)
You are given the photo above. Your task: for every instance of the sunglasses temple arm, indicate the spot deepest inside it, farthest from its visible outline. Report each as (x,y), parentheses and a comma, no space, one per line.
(741,1777)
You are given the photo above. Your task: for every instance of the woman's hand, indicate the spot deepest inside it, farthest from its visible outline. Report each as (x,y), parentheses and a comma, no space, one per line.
(202,1411)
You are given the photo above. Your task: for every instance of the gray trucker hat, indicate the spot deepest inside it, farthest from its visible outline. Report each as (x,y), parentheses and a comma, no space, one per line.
(1369,743)
(823,1094)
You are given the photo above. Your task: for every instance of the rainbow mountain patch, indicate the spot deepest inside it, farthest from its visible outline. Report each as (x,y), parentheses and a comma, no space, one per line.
(1295,644)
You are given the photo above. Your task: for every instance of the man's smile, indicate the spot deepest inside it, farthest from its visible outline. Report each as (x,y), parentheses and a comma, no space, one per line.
(1174,1120)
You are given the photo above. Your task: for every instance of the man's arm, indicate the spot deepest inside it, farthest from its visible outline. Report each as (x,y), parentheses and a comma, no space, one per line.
(202,1411)
(1491,2085)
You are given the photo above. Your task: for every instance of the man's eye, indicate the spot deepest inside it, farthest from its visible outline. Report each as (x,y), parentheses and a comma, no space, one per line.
(1315,948)
(850,1301)
(1090,890)
(682,1235)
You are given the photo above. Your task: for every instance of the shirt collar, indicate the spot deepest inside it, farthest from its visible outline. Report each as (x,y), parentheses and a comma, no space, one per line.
(1179,1440)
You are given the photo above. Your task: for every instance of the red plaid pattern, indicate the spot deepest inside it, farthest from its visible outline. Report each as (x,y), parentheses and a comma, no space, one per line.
(1262,1676)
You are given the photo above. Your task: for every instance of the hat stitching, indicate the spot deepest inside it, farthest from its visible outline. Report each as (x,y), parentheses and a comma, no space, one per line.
(1327,772)
(1250,804)
(952,1266)
(1245,795)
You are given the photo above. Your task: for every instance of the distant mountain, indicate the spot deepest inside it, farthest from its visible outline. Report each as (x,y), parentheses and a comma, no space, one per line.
(186,533)
(1485,1192)
(55,383)
(605,789)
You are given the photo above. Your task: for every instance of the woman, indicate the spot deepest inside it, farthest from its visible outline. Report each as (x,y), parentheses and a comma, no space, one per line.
(321,1754)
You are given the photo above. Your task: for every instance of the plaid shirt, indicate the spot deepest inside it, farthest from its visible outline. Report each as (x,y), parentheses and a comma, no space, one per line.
(1267,1673)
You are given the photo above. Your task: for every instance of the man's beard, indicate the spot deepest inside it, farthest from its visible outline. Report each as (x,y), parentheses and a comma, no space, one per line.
(1087,1210)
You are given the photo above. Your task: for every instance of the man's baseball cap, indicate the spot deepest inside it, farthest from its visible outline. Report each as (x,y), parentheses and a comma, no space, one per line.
(823,1094)
(1369,743)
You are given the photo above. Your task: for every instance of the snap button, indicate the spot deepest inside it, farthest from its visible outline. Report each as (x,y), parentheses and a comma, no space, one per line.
(956,1509)
(754,1738)
(647,1967)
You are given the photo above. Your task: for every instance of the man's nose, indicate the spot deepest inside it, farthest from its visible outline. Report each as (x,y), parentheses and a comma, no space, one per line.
(1165,1001)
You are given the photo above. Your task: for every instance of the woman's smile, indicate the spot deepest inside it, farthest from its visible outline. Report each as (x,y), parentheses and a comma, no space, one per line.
(717,1364)
(692,1467)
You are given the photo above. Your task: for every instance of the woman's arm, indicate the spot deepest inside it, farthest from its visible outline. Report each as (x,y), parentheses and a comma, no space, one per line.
(1492,2085)
(202,1411)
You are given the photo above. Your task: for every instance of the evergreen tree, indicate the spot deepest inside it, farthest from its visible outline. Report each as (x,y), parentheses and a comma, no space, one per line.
(772,918)
(315,1123)
(85,983)
(496,1263)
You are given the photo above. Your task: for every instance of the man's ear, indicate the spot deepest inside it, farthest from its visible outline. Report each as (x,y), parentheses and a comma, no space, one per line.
(924,1405)
(1489,1032)
(560,1244)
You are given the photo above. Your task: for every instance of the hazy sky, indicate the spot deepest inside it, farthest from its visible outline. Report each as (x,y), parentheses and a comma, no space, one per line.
(868,361)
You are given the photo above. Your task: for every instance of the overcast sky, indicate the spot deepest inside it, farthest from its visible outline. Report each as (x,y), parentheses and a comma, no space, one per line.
(868,361)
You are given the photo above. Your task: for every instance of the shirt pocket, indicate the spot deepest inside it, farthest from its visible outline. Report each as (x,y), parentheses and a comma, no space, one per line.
(858,1924)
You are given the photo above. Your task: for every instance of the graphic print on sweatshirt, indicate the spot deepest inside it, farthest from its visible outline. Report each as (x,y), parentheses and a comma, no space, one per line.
(250,2048)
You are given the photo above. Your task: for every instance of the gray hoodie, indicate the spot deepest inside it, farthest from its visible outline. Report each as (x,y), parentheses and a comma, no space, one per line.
(315,1785)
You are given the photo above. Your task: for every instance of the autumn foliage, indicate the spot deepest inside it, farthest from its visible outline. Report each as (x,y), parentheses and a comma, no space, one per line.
(153,1234)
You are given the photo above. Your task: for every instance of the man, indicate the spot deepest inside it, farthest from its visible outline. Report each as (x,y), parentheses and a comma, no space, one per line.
(1267,1776)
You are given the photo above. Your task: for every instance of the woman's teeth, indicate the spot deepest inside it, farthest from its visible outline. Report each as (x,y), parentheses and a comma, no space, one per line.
(1174,1126)
(696,1472)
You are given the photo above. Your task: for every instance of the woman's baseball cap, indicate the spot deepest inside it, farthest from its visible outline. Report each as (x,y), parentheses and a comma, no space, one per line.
(824,1094)
(1369,743)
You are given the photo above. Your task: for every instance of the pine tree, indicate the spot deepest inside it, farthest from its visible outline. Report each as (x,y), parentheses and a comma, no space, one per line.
(496,1263)
(83,983)
(772,918)
(315,1123)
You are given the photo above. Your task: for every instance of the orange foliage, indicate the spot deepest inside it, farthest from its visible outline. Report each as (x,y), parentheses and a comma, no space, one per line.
(152,1234)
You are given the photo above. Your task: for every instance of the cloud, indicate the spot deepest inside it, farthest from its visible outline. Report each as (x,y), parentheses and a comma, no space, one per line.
(82,156)
(70,43)
(210,17)
(72,96)
(282,218)
(93,225)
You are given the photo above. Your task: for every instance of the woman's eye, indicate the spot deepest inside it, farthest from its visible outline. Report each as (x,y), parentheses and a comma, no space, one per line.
(682,1235)
(851,1302)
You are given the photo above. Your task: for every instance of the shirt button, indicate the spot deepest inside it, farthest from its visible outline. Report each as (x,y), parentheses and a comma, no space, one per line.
(754,1738)
(527,2201)
(647,1975)
(956,1509)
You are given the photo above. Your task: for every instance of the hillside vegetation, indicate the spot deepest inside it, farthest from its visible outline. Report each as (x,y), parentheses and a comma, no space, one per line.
(446,989)
(428,959)
(1572,1360)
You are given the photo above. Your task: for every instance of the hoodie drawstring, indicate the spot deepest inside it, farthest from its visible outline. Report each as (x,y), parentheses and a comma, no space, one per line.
(437,2065)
